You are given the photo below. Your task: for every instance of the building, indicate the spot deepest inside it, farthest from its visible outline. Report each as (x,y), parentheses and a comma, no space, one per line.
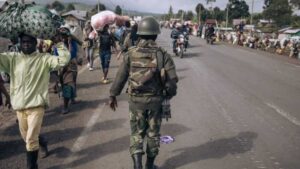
(211,22)
(293,32)
(288,33)
(75,17)
(238,21)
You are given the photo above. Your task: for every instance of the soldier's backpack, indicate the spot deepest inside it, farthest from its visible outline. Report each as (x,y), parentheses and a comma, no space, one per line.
(144,75)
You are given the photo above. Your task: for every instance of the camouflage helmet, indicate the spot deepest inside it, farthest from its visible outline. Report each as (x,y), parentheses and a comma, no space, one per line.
(148,26)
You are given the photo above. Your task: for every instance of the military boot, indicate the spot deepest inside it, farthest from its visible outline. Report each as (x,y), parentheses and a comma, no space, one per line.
(137,161)
(44,146)
(32,157)
(150,163)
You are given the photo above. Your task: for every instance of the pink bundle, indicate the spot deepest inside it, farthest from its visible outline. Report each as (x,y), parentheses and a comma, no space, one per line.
(93,35)
(103,18)
(120,20)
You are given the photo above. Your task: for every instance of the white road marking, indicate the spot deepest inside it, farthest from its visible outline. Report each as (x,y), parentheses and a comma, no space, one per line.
(83,136)
(81,140)
(284,114)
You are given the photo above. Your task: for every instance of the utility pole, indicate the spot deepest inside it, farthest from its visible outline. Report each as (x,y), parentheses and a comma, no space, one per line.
(98,6)
(251,21)
(200,12)
(227,15)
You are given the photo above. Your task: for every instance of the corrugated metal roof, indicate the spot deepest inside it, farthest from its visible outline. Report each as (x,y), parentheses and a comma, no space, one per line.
(292,31)
(76,13)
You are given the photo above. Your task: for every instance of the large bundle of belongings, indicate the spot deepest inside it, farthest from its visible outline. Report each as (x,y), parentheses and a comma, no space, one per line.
(99,20)
(29,19)
(103,18)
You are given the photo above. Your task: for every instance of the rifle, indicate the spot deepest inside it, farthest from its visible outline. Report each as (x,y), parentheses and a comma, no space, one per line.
(166,107)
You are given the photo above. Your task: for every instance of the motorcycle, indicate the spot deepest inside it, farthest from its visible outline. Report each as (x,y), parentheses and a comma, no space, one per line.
(180,43)
(210,39)
(186,40)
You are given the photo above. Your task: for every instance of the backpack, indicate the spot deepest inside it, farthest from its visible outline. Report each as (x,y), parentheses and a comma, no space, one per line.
(144,75)
(123,36)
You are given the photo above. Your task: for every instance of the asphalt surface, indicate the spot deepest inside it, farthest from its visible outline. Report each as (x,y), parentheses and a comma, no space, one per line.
(236,108)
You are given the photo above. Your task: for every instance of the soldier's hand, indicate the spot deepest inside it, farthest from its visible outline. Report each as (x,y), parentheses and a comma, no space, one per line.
(113,103)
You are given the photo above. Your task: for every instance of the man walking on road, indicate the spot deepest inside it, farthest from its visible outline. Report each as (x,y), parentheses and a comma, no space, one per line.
(106,41)
(29,77)
(142,66)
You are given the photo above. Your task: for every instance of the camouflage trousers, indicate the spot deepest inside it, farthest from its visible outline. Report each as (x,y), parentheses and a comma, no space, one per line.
(145,125)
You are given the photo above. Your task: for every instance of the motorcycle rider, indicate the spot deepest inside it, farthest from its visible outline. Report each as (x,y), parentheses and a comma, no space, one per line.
(186,32)
(210,31)
(175,34)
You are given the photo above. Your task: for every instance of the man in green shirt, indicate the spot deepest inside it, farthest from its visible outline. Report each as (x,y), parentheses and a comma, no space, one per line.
(29,77)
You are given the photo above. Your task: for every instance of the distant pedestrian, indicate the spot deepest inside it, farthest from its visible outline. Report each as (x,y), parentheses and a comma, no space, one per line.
(68,74)
(88,45)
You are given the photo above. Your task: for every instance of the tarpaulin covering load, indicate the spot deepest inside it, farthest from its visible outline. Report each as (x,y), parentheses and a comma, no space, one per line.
(30,19)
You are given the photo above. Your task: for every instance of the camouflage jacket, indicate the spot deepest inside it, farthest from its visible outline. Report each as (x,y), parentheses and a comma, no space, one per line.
(125,74)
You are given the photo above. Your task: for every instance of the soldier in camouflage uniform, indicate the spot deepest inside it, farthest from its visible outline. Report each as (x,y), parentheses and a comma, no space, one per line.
(142,66)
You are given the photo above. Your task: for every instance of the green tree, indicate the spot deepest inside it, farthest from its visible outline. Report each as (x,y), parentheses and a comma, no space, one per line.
(296,3)
(170,13)
(102,7)
(118,10)
(48,6)
(219,15)
(296,21)
(257,17)
(279,11)
(199,10)
(189,16)
(58,6)
(70,7)
(95,10)
(237,9)
(180,13)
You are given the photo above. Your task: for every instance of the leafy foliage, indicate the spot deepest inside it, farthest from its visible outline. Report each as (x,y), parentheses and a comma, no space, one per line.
(58,6)
(118,10)
(279,11)
(237,9)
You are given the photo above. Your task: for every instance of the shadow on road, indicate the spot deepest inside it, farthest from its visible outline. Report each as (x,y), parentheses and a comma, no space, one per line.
(173,129)
(54,116)
(94,152)
(57,136)
(217,149)
(182,70)
(191,55)
(194,46)
(11,148)
(88,85)
(114,146)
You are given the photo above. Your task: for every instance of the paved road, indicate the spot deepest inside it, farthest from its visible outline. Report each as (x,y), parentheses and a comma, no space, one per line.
(236,108)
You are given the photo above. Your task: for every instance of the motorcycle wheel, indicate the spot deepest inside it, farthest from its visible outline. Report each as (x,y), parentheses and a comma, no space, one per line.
(181,52)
